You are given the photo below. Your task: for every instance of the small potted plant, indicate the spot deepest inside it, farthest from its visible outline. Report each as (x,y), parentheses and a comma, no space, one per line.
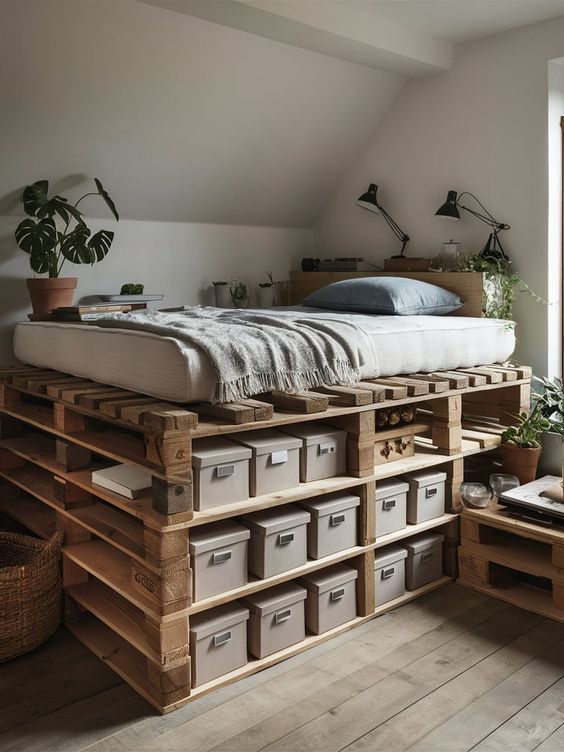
(266,292)
(132,288)
(222,294)
(55,232)
(522,444)
(550,398)
(240,295)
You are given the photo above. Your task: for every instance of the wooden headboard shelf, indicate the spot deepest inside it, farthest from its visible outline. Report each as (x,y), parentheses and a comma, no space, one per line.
(469,285)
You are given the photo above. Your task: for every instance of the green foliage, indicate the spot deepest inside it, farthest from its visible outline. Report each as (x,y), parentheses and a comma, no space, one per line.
(529,429)
(47,245)
(501,285)
(132,288)
(550,401)
(219,284)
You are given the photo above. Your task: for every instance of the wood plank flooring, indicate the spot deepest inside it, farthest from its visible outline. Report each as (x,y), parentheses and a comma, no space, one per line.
(451,672)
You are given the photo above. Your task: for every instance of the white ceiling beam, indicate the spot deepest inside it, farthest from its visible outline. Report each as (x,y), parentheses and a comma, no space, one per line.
(331,27)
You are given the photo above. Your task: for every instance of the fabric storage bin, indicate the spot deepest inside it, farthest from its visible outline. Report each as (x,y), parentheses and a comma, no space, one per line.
(323,452)
(389,569)
(391,506)
(277,619)
(218,555)
(275,460)
(221,472)
(424,559)
(218,642)
(331,597)
(426,495)
(278,540)
(334,524)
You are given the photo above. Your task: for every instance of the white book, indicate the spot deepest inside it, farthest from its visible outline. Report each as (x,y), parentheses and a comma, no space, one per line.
(123,479)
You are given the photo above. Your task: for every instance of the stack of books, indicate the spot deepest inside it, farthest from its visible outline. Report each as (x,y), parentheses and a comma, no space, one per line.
(91,311)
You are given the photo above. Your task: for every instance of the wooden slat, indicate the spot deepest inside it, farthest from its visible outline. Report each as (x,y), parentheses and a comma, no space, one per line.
(378,391)
(344,396)
(436,383)
(263,410)
(475,378)
(491,377)
(455,380)
(21,379)
(93,400)
(70,394)
(414,388)
(301,402)
(136,413)
(509,374)
(230,412)
(392,391)
(113,408)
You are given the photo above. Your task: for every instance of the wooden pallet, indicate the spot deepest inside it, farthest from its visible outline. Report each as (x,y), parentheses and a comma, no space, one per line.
(516,561)
(126,568)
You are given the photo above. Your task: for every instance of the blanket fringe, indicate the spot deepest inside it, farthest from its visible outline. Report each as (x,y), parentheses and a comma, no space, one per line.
(342,373)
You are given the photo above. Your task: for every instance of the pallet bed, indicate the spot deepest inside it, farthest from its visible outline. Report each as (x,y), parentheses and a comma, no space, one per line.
(126,572)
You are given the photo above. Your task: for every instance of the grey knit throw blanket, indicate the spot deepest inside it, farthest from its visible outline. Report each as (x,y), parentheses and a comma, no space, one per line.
(253,352)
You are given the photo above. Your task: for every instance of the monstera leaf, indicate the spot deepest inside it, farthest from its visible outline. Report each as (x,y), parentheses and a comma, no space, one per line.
(37,204)
(39,240)
(78,248)
(105,195)
(35,197)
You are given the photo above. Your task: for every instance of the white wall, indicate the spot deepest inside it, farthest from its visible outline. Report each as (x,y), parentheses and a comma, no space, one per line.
(482,127)
(176,258)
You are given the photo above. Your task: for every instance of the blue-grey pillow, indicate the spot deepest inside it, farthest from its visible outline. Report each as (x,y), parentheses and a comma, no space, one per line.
(395,296)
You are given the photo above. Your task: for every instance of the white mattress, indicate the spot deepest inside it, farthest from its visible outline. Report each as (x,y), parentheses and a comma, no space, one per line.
(158,366)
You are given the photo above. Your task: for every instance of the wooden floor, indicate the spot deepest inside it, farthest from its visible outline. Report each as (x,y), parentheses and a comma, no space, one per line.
(451,671)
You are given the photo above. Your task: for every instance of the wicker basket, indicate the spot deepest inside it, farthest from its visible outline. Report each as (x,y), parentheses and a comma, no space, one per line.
(30,592)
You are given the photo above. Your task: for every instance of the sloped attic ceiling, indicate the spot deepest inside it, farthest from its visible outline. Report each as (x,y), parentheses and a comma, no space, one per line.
(182,119)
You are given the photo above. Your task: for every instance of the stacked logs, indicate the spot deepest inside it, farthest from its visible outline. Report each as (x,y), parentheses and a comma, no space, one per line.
(394,416)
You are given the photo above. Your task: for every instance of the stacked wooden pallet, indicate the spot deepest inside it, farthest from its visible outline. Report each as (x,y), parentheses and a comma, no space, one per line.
(126,572)
(518,562)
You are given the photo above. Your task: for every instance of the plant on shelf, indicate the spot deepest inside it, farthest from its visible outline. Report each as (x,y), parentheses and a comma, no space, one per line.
(132,288)
(522,444)
(270,282)
(239,289)
(549,397)
(501,285)
(55,232)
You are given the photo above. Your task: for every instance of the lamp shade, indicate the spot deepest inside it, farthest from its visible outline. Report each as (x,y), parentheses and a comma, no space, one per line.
(369,200)
(449,209)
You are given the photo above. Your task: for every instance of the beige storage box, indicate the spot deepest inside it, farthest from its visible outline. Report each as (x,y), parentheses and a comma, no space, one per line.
(218,642)
(331,597)
(278,540)
(323,453)
(218,554)
(391,506)
(275,461)
(221,472)
(334,524)
(390,574)
(426,495)
(424,559)
(277,619)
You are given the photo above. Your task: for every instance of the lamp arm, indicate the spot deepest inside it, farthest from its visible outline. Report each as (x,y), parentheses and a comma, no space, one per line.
(394,227)
(486,217)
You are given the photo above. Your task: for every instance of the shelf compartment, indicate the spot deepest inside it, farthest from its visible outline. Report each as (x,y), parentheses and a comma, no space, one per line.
(29,512)
(410,530)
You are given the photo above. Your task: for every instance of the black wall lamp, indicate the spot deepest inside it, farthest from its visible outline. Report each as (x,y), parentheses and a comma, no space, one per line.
(493,248)
(369,200)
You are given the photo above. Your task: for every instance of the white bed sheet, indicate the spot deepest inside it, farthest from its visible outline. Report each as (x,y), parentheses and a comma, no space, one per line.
(158,366)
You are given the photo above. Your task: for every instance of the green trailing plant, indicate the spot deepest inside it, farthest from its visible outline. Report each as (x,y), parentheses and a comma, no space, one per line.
(55,230)
(239,293)
(219,284)
(270,282)
(501,285)
(549,398)
(132,288)
(528,430)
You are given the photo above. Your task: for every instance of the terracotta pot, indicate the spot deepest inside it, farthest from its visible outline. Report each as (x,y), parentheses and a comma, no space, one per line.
(520,462)
(48,293)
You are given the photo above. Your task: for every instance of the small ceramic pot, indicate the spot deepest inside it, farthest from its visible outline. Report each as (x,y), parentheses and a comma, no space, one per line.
(266,297)
(48,293)
(520,462)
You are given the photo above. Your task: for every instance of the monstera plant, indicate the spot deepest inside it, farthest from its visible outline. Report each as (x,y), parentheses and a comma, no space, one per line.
(55,232)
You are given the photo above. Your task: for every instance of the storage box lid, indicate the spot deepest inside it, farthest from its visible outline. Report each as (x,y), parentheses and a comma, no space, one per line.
(326,579)
(216,535)
(207,623)
(335,502)
(315,433)
(274,520)
(423,542)
(267,441)
(274,598)
(389,555)
(385,488)
(217,451)
(425,478)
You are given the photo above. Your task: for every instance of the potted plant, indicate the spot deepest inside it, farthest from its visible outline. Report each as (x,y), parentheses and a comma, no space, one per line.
(550,398)
(55,232)
(222,294)
(240,295)
(521,444)
(266,292)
